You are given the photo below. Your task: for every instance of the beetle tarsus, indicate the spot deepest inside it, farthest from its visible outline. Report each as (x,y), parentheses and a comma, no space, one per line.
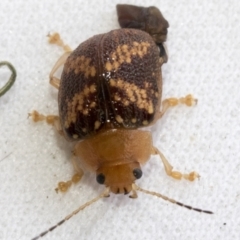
(56,39)
(174,174)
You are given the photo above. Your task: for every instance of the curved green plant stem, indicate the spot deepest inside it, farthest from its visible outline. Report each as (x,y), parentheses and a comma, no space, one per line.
(11,80)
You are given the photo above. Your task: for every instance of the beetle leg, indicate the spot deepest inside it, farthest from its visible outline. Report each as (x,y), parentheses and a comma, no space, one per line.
(54,81)
(134,191)
(162,53)
(54,120)
(50,119)
(188,100)
(175,174)
(64,186)
(56,39)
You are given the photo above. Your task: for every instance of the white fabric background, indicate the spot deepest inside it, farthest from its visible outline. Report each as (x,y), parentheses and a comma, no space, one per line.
(204,53)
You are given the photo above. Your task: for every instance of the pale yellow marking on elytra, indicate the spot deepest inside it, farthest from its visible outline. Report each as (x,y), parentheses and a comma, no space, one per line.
(112,83)
(97,124)
(119,119)
(145,122)
(133,120)
(77,104)
(80,108)
(75,136)
(126,102)
(93,88)
(92,104)
(108,66)
(85,111)
(117,97)
(86,91)
(124,54)
(132,94)
(150,109)
(80,64)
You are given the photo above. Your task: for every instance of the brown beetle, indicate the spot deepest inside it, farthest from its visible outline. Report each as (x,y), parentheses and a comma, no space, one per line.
(111,86)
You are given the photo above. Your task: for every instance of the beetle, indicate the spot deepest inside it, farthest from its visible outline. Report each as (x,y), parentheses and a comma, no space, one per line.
(110,89)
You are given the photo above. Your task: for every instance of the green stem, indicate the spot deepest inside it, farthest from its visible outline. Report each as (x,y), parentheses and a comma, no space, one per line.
(11,80)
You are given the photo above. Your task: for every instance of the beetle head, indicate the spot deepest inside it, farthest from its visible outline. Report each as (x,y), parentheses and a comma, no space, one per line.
(119,178)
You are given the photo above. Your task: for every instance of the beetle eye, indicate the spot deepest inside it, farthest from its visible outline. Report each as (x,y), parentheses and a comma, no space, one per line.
(137,173)
(100,178)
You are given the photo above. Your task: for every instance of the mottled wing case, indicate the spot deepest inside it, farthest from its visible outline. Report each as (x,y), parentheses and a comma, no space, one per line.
(133,77)
(111,79)
(81,103)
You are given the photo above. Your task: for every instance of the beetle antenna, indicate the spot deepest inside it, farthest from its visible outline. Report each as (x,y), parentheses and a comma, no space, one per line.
(102,195)
(137,188)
